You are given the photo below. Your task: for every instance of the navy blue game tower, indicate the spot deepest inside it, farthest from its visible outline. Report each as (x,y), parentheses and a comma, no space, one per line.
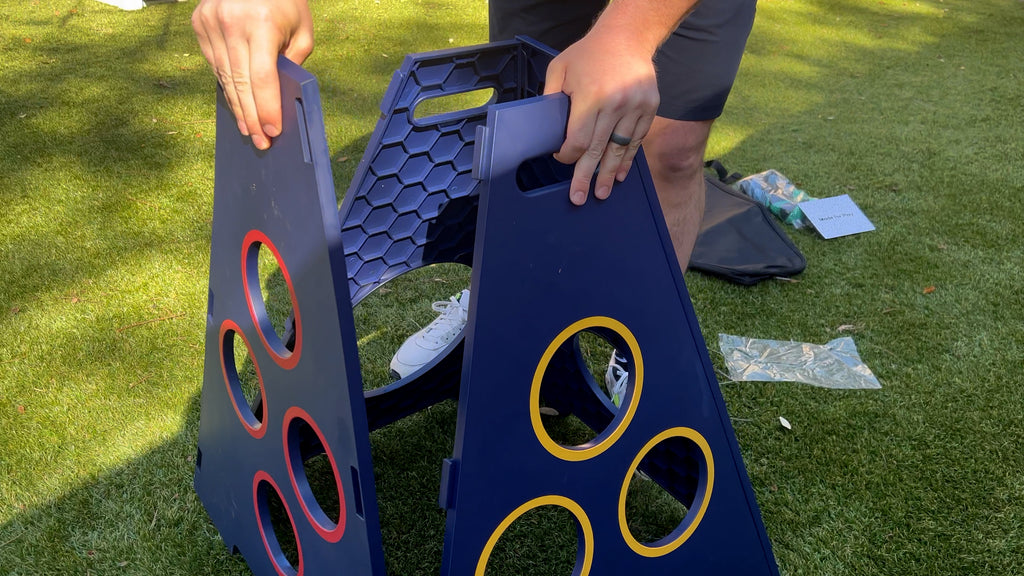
(477,187)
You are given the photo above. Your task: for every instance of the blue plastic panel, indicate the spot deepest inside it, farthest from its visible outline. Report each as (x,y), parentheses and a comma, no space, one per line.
(543,270)
(311,397)
(413,200)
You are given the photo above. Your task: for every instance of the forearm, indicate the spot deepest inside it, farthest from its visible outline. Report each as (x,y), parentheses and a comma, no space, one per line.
(641,24)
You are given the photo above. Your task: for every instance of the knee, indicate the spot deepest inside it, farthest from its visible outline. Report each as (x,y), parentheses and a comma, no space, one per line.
(676,161)
(676,153)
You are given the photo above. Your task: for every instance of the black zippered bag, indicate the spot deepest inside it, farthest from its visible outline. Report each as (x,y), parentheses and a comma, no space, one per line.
(739,240)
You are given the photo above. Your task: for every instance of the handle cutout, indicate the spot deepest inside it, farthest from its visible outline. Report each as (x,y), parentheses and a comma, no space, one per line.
(541,172)
(449,106)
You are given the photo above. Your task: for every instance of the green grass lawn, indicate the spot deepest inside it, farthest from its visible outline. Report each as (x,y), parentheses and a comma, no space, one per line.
(912,108)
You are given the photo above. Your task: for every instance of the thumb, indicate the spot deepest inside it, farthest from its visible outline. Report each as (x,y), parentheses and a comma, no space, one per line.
(298,48)
(555,77)
(299,44)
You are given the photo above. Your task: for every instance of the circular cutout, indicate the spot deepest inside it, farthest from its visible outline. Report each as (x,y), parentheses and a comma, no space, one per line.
(541,511)
(242,378)
(277,526)
(394,312)
(314,474)
(652,511)
(593,351)
(679,444)
(275,291)
(564,356)
(578,377)
(261,260)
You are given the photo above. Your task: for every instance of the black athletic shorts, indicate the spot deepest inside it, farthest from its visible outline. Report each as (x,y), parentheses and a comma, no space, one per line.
(696,65)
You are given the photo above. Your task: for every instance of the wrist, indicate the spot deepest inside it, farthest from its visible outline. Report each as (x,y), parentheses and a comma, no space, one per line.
(640,26)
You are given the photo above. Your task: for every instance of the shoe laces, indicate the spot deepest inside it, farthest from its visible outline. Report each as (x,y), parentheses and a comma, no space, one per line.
(619,377)
(453,316)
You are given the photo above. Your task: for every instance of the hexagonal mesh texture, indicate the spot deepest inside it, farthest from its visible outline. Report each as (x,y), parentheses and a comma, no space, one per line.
(413,199)
(413,202)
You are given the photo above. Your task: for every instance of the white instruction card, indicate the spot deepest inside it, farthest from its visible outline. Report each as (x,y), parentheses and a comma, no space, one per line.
(836,216)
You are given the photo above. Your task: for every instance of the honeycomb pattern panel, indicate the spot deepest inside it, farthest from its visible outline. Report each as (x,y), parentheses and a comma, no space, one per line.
(413,201)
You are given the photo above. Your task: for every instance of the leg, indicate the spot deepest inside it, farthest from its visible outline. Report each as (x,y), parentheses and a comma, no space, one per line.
(675,154)
(696,68)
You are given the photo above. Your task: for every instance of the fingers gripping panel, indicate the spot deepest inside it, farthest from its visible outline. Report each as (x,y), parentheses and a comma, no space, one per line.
(284,466)
(541,273)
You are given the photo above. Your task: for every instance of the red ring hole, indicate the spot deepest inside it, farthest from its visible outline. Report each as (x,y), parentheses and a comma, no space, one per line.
(271,511)
(250,411)
(272,341)
(308,455)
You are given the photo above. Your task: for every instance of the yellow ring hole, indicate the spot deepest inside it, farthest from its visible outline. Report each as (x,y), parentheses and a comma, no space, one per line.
(605,439)
(693,518)
(570,505)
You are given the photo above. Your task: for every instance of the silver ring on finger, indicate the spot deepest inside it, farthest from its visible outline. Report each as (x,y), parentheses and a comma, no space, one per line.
(620,139)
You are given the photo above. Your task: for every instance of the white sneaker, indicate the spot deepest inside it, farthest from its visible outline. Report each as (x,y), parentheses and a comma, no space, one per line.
(425,345)
(616,377)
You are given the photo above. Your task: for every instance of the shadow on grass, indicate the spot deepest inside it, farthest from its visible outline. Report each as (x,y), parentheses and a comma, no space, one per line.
(107,123)
(144,518)
(101,128)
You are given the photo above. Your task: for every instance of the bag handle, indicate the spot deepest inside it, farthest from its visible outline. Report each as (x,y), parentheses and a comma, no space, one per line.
(723,175)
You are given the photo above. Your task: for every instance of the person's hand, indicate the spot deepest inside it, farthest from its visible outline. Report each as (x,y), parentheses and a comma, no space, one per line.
(241,40)
(613,93)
